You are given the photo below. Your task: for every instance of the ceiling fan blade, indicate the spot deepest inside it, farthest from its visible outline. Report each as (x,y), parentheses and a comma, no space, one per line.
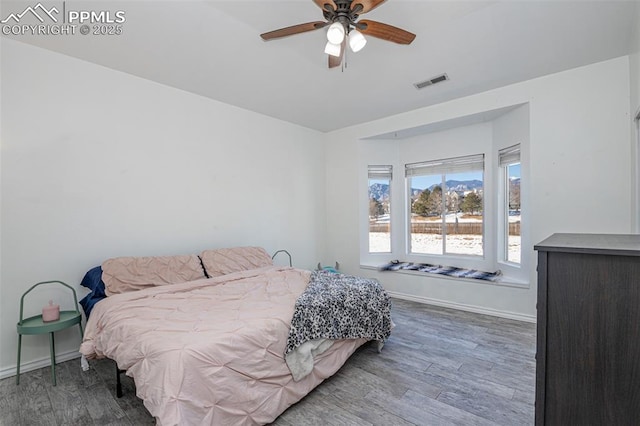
(385,31)
(367,5)
(321,4)
(335,61)
(294,29)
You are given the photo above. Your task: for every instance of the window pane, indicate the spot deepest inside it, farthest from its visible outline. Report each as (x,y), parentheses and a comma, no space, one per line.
(464,213)
(379,215)
(513,213)
(426,214)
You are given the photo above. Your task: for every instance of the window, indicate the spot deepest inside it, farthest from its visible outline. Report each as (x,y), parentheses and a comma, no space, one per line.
(379,196)
(462,212)
(509,162)
(445,206)
(458,197)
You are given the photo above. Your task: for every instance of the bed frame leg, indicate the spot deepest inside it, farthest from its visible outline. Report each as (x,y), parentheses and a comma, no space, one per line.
(118,382)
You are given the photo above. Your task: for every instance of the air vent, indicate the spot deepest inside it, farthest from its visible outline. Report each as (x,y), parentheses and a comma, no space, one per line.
(431,82)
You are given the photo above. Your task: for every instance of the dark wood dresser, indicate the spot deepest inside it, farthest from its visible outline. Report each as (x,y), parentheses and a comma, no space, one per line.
(588,354)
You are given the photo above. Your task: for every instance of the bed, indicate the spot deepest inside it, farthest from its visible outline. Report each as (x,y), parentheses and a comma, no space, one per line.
(237,345)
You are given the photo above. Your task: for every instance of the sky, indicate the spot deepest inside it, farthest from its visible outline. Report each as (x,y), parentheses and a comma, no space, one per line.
(515,170)
(421,182)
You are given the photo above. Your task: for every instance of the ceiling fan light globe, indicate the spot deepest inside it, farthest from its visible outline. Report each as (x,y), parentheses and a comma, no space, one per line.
(332,49)
(335,33)
(356,41)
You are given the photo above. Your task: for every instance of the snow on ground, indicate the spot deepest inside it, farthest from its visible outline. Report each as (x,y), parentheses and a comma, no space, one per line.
(449,218)
(379,242)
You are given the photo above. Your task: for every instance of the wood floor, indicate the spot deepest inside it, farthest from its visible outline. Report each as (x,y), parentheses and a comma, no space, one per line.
(440,367)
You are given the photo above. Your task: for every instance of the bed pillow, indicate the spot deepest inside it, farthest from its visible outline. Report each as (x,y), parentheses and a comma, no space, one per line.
(93,281)
(228,260)
(123,274)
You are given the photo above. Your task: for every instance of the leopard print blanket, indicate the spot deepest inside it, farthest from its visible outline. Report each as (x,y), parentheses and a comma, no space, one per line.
(337,306)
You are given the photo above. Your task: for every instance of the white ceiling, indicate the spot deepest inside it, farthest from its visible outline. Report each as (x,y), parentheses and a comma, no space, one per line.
(212,48)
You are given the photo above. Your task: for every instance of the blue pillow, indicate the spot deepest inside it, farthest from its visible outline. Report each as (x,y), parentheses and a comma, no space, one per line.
(93,281)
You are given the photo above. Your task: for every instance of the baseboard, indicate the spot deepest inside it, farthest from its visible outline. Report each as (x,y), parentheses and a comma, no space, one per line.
(38,363)
(463,307)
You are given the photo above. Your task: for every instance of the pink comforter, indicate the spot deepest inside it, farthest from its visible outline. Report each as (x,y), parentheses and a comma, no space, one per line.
(210,351)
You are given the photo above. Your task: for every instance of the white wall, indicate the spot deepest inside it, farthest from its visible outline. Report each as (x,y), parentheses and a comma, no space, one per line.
(96,163)
(579,166)
(634,64)
(634,73)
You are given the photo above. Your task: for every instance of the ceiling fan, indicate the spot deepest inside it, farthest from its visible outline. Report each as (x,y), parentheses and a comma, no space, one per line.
(342,18)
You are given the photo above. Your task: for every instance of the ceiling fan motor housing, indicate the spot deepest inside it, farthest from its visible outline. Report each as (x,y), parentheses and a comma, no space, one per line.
(343,13)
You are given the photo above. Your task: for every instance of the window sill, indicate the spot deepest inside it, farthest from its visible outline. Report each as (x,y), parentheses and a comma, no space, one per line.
(505,281)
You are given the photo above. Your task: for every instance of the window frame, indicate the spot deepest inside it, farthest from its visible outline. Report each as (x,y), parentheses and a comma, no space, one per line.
(494,194)
(380,172)
(443,167)
(507,157)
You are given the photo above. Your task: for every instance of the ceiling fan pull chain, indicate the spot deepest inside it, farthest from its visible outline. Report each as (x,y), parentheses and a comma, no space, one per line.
(344,56)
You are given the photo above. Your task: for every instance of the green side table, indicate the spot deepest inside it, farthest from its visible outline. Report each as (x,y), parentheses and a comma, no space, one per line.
(35,325)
